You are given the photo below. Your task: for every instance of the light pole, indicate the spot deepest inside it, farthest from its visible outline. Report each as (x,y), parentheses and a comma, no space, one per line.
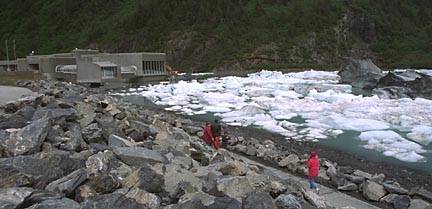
(7,55)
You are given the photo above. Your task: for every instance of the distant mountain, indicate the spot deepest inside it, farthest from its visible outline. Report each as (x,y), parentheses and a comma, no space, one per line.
(228,34)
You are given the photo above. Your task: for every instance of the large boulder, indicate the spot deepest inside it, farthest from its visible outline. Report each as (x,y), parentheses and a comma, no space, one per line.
(137,156)
(291,162)
(142,197)
(69,183)
(232,168)
(314,199)
(349,186)
(395,188)
(39,169)
(287,202)
(27,140)
(19,119)
(105,172)
(117,141)
(40,196)
(258,200)
(63,203)
(55,113)
(419,204)
(235,187)
(12,197)
(373,191)
(74,138)
(190,204)
(175,176)
(360,73)
(145,178)
(398,201)
(225,202)
(111,201)
(92,133)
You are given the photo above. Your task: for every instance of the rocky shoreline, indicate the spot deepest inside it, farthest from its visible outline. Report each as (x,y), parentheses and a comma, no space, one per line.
(71,147)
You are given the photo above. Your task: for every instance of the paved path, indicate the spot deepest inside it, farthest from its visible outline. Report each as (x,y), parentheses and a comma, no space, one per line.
(332,197)
(10,93)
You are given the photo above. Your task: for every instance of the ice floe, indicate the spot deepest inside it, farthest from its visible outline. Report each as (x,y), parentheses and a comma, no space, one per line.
(308,105)
(393,145)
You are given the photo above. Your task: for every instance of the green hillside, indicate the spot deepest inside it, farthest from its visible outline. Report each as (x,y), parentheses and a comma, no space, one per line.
(227,34)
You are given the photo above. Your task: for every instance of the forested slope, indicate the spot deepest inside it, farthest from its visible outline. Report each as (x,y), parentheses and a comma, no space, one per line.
(227,34)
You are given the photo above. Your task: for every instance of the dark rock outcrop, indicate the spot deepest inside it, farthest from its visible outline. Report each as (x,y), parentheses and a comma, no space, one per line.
(360,73)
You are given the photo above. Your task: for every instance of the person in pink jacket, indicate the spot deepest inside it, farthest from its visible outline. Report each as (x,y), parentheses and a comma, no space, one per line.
(313,170)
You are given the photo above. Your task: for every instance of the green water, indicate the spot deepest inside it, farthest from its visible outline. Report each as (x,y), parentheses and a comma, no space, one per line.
(346,141)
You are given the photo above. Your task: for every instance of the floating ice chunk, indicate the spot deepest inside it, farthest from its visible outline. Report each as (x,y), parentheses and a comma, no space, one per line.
(393,145)
(286,94)
(200,112)
(216,109)
(282,115)
(249,110)
(356,124)
(421,134)
(331,96)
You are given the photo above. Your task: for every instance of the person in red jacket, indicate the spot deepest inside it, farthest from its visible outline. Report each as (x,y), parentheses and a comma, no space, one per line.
(313,170)
(207,134)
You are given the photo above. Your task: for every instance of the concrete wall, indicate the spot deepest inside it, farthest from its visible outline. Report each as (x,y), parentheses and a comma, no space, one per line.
(88,72)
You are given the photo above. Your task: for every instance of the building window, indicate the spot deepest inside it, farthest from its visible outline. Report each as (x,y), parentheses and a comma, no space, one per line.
(108,72)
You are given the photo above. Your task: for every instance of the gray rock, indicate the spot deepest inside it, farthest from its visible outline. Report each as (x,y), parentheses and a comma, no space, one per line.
(75,140)
(117,141)
(291,162)
(276,188)
(393,92)
(142,197)
(191,204)
(111,201)
(392,188)
(27,140)
(12,197)
(64,203)
(251,150)
(373,191)
(397,201)
(40,196)
(402,202)
(175,176)
(19,119)
(55,113)
(145,178)
(258,200)
(40,169)
(69,183)
(92,133)
(235,187)
(225,202)
(289,201)
(425,194)
(232,168)
(360,73)
(419,204)
(362,174)
(137,156)
(355,179)
(348,187)
(337,178)
(314,199)
(147,130)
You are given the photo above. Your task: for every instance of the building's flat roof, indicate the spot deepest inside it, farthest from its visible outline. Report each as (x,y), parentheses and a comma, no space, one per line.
(105,64)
